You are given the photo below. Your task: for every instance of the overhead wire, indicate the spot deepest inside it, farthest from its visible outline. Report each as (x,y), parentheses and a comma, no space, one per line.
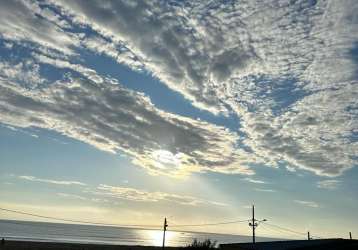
(77,221)
(284,229)
(293,231)
(209,224)
(281,232)
(276,233)
(118,225)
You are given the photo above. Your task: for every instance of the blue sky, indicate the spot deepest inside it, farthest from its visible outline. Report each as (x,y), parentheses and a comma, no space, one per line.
(125,111)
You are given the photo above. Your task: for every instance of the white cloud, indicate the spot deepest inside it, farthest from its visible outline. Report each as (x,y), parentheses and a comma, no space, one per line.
(82,198)
(255,181)
(25,73)
(114,119)
(29,133)
(58,63)
(254,59)
(290,168)
(72,196)
(307,203)
(286,69)
(19,21)
(56,182)
(328,184)
(133,194)
(265,190)
(114,49)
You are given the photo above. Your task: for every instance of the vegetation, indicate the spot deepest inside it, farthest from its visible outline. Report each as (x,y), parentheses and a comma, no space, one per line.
(206,244)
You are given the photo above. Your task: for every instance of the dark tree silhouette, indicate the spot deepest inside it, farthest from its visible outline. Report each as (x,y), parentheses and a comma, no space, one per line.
(206,244)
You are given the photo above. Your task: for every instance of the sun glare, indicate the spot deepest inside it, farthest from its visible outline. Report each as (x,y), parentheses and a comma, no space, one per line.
(156,237)
(167,157)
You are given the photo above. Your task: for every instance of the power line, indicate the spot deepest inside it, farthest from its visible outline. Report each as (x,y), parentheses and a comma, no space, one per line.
(209,224)
(292,231)
(118,225)
(54,228)
(284,229)
(276,230)
(76,221)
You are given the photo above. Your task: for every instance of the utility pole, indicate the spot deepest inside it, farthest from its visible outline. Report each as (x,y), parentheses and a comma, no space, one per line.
(350,235)
(308,235)
(254,223)
(164,230)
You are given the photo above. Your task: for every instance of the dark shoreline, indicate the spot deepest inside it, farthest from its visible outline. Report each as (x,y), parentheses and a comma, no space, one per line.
(33,245)
(329,244)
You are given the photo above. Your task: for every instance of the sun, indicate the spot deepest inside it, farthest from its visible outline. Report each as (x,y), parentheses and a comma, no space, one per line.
(165,157)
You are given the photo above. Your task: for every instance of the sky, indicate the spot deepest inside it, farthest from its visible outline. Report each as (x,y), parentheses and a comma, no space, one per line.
(132,111)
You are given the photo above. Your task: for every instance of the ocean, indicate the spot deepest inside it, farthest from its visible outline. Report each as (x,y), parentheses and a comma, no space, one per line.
(57,232)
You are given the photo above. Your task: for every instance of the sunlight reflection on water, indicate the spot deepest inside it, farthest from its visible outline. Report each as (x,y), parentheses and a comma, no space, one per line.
(155,237)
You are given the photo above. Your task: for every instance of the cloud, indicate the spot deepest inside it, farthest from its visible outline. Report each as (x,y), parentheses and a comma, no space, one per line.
(273,64)
(56,182)
(25,73)
(265,190)
(290,168)
(72,196)
(29,133)
(21,21)
(115,119)
(62,64)
(111,194)
(328,184)
(82,198)
(255,181)
(282,68)
(307,203)
(138,195)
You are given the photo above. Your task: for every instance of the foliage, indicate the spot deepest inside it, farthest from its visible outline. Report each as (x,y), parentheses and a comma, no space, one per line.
(206,244)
